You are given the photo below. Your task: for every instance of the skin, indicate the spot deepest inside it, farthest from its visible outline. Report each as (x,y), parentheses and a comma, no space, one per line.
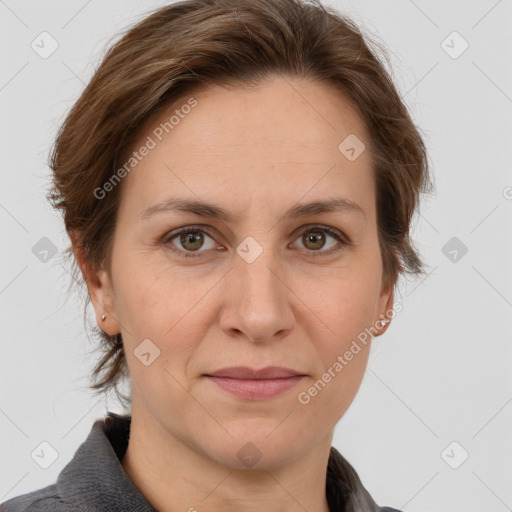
(255,152)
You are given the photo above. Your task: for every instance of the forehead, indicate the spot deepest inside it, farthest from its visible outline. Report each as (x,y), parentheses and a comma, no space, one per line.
(273,142)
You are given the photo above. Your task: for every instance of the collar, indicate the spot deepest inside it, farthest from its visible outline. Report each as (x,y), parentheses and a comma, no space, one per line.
(95,479)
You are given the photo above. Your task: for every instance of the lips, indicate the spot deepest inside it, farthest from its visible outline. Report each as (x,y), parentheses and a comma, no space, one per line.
(245,372)
(252,384)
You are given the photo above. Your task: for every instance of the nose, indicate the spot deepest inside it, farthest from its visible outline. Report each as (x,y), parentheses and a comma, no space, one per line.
(258,302)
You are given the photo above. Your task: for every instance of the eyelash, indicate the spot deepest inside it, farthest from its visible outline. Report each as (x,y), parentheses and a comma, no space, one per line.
(344,241)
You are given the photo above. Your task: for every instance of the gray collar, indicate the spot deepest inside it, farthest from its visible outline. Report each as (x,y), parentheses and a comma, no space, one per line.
(95,479)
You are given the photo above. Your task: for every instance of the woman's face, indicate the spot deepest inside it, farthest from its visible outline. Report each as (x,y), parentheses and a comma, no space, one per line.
(256,286)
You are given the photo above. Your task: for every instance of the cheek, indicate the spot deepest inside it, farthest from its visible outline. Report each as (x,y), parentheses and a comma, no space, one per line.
(346,305)
(150,297)
(167,312)
(344,359)
(346,309)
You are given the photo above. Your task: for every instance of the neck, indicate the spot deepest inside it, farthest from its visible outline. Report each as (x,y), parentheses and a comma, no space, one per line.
(173,476)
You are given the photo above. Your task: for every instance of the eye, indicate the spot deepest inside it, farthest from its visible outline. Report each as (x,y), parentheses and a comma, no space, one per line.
(314,238)
(190,239)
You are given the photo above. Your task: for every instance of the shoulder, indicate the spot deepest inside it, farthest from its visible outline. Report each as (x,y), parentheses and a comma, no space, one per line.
(385,509)
(40,500)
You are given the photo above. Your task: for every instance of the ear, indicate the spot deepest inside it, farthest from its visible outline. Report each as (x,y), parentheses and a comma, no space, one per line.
(385,305)
(100,291)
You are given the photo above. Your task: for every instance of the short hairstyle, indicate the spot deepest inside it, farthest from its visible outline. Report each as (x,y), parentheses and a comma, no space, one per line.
(191,44)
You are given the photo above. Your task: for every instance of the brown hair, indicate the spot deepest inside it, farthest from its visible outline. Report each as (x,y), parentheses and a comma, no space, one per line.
(194,43)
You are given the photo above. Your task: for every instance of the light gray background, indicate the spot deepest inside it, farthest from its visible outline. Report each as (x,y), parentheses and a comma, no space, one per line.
(442,371)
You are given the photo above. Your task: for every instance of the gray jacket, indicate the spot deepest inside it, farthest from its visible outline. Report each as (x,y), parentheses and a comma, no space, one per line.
(94,480)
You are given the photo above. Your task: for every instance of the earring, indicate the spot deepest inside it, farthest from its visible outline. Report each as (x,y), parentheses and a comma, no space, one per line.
(103,317)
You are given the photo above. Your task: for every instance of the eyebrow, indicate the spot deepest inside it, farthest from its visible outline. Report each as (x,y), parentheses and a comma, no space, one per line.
(205,209)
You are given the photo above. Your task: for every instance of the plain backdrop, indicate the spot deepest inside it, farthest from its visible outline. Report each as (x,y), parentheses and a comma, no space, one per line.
(430,427)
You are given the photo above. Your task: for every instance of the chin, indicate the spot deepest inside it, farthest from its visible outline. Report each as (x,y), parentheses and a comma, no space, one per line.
(258,444)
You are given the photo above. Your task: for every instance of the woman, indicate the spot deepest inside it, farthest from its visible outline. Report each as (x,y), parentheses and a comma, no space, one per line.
(238,181)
